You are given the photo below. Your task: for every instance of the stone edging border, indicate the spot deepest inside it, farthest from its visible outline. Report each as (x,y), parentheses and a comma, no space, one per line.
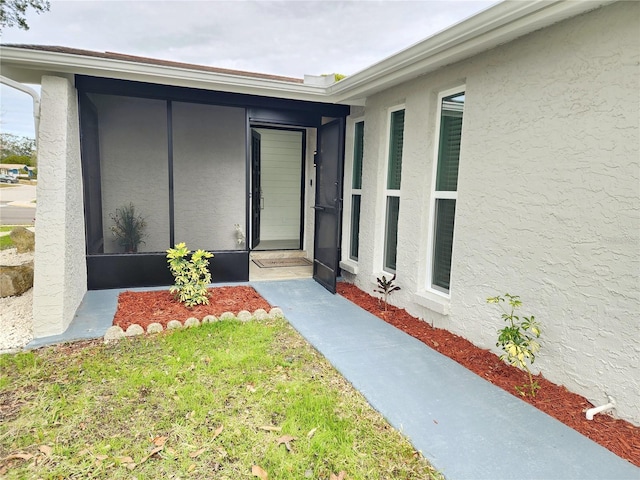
(115,333)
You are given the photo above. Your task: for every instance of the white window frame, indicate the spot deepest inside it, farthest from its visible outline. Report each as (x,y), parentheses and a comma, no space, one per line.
(386,192)
(439,195)
(347,263)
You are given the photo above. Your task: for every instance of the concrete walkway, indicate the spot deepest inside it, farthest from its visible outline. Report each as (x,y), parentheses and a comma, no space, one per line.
(466,427)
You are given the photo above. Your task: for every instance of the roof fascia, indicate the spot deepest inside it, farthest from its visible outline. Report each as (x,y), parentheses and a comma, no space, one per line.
(111,86)
(31,64)
(495,26)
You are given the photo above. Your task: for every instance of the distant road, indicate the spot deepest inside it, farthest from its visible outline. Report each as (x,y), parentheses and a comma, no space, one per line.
(16,205)
(10,215)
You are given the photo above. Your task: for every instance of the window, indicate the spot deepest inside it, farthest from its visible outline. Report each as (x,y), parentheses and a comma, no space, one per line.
(392,190)
(445,189)
(356,190)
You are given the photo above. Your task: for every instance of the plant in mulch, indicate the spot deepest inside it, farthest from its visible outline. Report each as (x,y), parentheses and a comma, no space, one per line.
(128,228)
(191,275)
(518,339)
(386,288)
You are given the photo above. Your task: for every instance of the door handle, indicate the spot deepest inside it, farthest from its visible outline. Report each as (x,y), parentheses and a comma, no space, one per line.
(318,207)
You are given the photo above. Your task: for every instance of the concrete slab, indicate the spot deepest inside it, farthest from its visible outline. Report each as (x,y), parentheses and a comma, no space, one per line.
(464,425)
(92,319)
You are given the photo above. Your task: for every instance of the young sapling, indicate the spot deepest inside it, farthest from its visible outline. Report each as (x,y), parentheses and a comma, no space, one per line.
(518,339)
(386,288)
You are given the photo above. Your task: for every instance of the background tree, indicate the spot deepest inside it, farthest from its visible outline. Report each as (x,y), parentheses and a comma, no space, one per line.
(12,12)
(16,149)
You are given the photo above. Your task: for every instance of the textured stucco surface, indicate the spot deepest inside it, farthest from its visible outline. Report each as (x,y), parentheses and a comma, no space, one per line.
(548,198)
(209,174)
(134,166)
(60,278)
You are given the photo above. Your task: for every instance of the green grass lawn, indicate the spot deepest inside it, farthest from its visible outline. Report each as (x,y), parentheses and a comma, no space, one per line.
(6,242)
(217,401)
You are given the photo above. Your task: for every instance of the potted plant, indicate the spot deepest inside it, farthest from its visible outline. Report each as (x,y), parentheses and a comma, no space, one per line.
(128,228)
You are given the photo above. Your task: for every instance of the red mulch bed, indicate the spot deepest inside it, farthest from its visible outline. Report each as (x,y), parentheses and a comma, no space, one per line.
(619,436)
(160,306)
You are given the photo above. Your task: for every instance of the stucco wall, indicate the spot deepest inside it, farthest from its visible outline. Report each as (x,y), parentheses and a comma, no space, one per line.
(209,172)
(60,277)
(548,198)
(134,166)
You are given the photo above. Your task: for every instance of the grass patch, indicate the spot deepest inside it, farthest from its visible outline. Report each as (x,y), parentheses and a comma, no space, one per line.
(209,402)
(8,228)
(6,242)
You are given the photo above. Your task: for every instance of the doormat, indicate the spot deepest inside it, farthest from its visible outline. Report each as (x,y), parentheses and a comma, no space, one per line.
(283,262)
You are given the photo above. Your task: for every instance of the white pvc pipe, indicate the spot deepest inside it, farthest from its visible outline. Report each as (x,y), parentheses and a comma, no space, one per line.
(595,410)
(30,91)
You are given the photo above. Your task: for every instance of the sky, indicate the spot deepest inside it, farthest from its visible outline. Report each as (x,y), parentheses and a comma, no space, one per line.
(290,38)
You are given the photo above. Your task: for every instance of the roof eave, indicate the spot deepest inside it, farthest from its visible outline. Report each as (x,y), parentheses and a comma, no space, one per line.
(29,65)
(495,26)
(488,29)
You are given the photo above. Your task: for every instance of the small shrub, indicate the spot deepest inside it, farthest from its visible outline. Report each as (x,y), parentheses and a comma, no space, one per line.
(191,276)
(518,339)
(386,288)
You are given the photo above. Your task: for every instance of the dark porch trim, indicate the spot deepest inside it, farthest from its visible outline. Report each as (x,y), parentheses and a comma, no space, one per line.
(265,108)
(172,230)
(127,270)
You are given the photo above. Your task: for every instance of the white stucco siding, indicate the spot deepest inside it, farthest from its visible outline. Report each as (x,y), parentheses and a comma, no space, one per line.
(209,172)
(372,207)
(60,277)
(548,198)
(549,202)
(134,166)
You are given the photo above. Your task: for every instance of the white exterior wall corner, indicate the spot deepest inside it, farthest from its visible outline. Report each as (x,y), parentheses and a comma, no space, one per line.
(548,197)
(60,277)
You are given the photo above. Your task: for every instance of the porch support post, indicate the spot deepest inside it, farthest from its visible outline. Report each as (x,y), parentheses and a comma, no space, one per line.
(60,276)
